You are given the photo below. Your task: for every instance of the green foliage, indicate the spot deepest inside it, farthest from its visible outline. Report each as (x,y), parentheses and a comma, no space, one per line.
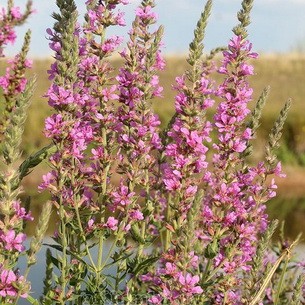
(276,134)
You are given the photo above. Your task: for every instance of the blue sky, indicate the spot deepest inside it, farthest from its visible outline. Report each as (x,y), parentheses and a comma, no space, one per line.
(277,25)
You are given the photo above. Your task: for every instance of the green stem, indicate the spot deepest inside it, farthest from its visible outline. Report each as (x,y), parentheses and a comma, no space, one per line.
(104,191)
(206,270)
(63,236)
(109,253)
(280,285)
(100,255)
(167,218)
(141,246)
(84,237)
(63,276)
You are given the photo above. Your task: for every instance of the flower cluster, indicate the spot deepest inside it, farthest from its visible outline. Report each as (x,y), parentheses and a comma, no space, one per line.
(14,81)
(186,152)
(115,174)
(104,15)
(8,19)
(233,210)
(10,285)
(173,284)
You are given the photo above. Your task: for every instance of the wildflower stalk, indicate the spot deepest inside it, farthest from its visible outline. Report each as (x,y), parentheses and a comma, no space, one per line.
(253,124)
(183,165)
(138,134)
(243,17)
(275,136)
(16,81)
(36,242)
(81,96)
(144,82)
(17,92)
(10,19)
(10,205)
(48,279)
(67,62)
(192,114)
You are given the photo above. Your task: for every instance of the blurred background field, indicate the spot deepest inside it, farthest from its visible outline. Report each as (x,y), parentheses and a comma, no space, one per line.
(285,74)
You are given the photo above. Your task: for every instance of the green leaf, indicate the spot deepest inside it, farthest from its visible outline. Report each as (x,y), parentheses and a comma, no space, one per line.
(75,255)
(32,300)
(144,265)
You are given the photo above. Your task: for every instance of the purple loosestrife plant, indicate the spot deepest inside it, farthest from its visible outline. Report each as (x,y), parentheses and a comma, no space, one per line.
(84,130)
(145,216)
(11,17)
(183,167)
(83,117)
(117,179)
(139,139)
(14,81)
(17,92)
(233,193)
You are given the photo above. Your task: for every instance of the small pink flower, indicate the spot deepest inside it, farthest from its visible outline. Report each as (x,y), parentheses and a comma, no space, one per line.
(8,283)
(278,170)
(239,146)
(111,44)
(12,241)
(21,212)
(122,196)
(247,135)
(7,278)
(90,224)
(172,184)
(15,12)
(48,180)
(156,299)
(119,19)
(188,282)
(111,223)
(136,215)
(246,69)
(171,269)
(108,94)
(146,13)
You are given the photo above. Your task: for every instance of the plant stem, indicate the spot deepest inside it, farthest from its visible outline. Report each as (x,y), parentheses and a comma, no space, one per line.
(63,276)
(167,218)
(206,270)
(280,285)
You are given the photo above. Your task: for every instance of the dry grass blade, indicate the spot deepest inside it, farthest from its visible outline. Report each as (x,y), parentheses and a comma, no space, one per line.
(285,255)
